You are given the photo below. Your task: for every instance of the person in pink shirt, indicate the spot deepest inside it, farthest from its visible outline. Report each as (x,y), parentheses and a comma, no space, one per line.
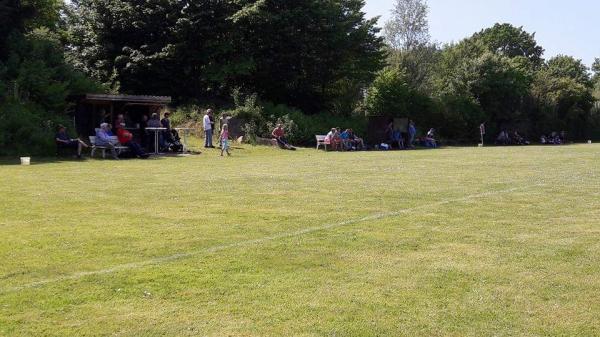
(225,140)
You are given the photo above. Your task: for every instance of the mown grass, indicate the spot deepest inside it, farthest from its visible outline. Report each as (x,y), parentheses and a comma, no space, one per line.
(452,242)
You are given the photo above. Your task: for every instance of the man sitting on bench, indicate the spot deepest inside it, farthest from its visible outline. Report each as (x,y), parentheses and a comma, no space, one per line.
(63,141)
(126,139)
(104,140)
(279,135)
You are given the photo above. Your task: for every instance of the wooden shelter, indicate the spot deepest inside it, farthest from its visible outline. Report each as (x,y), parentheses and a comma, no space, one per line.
(93,109)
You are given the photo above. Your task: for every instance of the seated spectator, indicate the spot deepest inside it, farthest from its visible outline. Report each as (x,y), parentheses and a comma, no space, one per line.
(345,140)
(154,122)
(126,139)
(543,140)
(64,141)
(503,138)
(329,139)
(110,132)
(279,135)
(104,139)
(556,139)
(357,142)
(430,139)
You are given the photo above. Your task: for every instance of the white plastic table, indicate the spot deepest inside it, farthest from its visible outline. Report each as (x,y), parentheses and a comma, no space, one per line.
(156,131)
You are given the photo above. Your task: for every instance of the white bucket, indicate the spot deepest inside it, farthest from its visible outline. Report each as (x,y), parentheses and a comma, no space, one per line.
(589,142)
(25,160)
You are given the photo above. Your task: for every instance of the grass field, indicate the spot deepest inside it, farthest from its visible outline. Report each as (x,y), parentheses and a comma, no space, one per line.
(451,242)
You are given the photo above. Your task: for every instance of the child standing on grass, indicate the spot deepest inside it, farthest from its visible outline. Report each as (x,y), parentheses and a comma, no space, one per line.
(225,140)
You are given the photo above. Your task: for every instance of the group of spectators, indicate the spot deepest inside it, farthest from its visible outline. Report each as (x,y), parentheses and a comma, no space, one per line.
(554,138)
(396,139)
(514,138)
(105,136)
(345,140)
(506,138)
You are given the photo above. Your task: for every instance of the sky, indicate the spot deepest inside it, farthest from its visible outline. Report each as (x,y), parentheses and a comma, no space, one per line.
(561,27)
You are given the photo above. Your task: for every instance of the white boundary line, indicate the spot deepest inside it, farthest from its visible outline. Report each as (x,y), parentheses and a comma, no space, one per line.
(170,258)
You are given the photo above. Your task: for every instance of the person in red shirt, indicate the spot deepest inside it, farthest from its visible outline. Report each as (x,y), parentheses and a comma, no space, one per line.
(126,139)
(279,135)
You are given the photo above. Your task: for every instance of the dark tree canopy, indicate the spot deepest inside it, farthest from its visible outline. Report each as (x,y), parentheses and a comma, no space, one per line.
(287,51)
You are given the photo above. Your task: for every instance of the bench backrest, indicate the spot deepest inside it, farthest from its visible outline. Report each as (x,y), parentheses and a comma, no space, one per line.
(320,138)
(113,139)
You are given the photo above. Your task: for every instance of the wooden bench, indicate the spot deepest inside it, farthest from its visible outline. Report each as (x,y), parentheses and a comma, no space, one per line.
(321,141)
(118,147)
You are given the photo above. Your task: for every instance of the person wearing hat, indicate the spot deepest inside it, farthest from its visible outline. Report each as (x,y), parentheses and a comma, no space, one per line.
(64,141)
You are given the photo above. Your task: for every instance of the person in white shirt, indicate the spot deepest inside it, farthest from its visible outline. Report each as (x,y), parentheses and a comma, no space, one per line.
(208,129)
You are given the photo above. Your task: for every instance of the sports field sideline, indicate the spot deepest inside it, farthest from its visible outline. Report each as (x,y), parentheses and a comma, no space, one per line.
(451,242)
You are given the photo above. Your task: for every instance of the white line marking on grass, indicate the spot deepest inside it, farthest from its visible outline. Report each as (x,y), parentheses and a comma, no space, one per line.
(170,258)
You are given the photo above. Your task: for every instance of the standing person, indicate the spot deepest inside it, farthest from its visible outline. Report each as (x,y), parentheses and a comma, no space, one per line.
(64,141)
(166,121)
(224,137)
(412,132)
(208,129)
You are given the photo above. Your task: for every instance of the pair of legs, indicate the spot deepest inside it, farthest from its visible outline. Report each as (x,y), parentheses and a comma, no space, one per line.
(283,143)
(136,149)
(208,138)
(358,143)
(225,147)
(74,144)
(112,149)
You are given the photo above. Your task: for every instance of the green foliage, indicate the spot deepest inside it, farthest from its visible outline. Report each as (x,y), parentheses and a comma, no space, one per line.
(35,82)
(186,114)
(303,53)
(510,41)
(563,91)
(26,129)
(307,126)
(389,95)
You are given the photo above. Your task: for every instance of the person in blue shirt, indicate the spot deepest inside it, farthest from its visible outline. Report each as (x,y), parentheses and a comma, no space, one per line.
(64,141)
(103,138)
(412,132)
(345,137)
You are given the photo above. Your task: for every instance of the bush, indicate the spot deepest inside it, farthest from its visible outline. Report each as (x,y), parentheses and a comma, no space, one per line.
(307,126)
(35,82)
(25,129)
(186,115)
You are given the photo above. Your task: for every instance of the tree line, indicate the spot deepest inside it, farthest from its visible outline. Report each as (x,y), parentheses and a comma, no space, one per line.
(324,59)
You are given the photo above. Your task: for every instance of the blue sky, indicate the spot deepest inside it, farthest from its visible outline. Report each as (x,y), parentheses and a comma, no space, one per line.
(561,27)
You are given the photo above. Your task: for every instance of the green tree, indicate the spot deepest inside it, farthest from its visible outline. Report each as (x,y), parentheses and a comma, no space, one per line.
(126,44)
(508,40)
(302,53)
(563,92)
(305,53)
